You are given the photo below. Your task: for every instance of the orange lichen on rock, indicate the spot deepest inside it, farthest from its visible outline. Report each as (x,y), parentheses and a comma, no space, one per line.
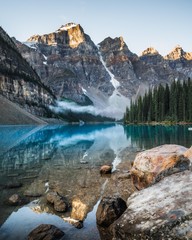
(152,165)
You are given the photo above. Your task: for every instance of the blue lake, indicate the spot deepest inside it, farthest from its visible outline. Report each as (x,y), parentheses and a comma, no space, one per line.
(67,159)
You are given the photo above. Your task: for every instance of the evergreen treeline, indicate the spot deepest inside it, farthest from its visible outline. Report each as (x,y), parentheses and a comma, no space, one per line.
(165,103)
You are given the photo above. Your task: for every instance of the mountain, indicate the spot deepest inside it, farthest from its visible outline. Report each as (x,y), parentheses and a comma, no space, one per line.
(70,64)
(117,58)
(67,61)
(153,69)
(20,84)
(100,79)
(180,61)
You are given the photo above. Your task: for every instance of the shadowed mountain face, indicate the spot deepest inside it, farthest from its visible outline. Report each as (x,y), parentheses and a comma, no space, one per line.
(20,83)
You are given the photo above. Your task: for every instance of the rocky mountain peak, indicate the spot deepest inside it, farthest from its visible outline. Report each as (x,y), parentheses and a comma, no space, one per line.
(117,55)
(150,51)
(110,43)
(122,43)
(76,36)
(178,53)
(116,45)
(70,34)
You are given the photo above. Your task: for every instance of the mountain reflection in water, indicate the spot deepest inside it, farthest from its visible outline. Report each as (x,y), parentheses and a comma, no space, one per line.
(67,159)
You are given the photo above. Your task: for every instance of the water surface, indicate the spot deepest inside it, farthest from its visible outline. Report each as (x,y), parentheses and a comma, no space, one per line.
(67,159)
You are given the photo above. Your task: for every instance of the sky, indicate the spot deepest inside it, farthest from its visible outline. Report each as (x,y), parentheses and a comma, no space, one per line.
(161,24)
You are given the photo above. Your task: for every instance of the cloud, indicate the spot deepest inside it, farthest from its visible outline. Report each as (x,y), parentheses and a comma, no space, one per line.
(110,111)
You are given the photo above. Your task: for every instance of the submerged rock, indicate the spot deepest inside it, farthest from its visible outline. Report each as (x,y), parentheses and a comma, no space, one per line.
(152,165)
(78,224)
(46,231)
(17,200)
(52,197)
(161,211)
(109,210)
(105,169)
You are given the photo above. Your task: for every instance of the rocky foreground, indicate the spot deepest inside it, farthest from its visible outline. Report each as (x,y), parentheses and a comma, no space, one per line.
(160,207)
(162,210)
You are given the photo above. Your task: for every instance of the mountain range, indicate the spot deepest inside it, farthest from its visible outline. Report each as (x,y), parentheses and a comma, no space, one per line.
(65,74)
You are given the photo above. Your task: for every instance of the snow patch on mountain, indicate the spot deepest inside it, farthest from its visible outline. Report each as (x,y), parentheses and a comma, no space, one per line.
(116,100)
(31,44)
(113,107)
(84,90)
(45,57)
(67,27)
(114,82)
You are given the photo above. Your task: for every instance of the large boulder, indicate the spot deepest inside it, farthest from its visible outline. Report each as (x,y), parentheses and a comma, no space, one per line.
(46,231)
(161,211)
(152,165)
(109,210)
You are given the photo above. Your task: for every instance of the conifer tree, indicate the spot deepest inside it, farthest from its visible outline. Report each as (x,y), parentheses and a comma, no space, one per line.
(172,102)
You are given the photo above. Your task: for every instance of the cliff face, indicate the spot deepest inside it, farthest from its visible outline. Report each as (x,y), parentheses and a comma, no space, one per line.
(137,73)
(118,58)
(67,35)
(67,61)
(19,82)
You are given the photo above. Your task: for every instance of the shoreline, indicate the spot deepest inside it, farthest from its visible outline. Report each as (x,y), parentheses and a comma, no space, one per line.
(164,123)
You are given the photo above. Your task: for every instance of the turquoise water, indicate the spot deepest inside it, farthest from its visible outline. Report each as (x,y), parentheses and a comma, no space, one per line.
(68,159)
(152,136)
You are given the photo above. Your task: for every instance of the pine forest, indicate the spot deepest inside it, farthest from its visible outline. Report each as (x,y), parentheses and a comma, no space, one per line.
(169,103)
